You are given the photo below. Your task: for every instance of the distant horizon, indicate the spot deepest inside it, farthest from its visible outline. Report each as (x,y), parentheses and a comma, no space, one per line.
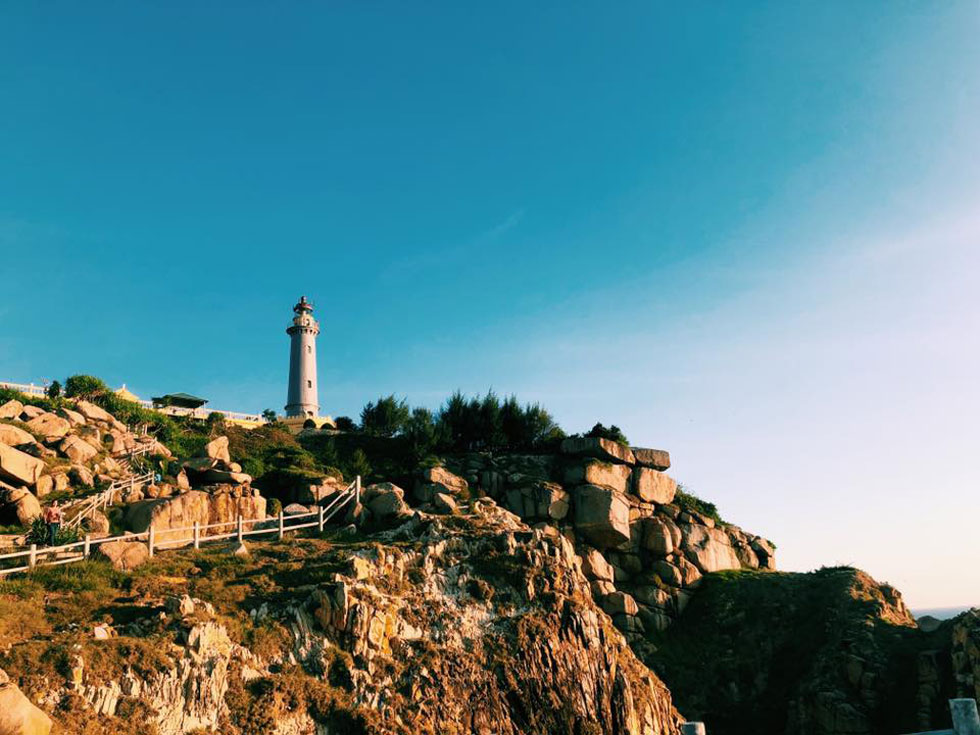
(734,231)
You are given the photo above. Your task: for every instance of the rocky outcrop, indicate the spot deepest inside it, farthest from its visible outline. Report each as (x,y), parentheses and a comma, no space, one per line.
(18,504)
(602,449)
(18,715)
(14,436)
(172,517)
(826,653)
(475,624)
(124,555)
(19,467)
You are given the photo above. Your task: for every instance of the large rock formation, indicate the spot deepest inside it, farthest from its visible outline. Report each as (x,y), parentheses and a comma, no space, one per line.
(480,625)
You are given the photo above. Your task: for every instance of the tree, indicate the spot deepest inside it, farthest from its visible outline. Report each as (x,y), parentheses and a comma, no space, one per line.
(385,418)
(420,430)
(216,422)
(359,464)
(270,415)
(345,423)
(85,386)
(54,390)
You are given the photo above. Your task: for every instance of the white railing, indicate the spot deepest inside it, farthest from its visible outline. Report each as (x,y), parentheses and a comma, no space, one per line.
(28,388)
(194,535)
(203,413)
(104,499)
(199,413)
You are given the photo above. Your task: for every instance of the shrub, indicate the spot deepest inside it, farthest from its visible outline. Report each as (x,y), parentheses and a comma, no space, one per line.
(274,507)
(345,423)
(54,390)
(690,501)
(38,534)
(85,386)
(613,433)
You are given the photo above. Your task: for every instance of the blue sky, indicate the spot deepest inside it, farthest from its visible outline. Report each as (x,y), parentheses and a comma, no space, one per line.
(744,232)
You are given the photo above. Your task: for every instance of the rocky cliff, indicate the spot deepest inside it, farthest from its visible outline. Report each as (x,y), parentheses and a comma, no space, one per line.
(831,652)
(470,622)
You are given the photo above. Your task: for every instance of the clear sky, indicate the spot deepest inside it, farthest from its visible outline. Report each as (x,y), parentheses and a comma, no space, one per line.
(748,233)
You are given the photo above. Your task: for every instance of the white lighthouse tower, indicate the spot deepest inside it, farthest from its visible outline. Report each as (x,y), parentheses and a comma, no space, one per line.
(302,395)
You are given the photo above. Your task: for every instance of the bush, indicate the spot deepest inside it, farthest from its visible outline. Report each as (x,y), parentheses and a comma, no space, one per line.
(274,507)
(85,387)
(39,534)
(690,501)
(614,433)
(345,423)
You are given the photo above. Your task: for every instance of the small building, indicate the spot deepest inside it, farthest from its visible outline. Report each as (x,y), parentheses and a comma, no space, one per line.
(179,400)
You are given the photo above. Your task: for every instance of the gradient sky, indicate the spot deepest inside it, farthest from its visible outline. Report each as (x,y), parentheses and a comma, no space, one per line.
(748,233)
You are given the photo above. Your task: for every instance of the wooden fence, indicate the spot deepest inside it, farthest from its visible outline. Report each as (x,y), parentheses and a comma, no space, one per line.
(194,535)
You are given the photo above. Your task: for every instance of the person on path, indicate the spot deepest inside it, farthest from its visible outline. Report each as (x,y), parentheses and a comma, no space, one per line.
(53,517)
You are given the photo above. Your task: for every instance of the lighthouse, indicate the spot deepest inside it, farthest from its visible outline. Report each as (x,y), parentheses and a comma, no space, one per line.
(302,399)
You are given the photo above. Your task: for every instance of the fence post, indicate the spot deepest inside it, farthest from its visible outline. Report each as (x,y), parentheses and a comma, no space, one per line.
(281,527)
(197,534)
(357,490)
(241,529)
(151,538)
(320,517)
(693,728)
(966,720)
(32,559)
(86,550)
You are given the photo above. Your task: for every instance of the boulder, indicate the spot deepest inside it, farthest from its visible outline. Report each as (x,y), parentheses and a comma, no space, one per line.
(227,503)
(439,480)
(218,449)
(604,449)
(669,573)
(765,552)
(74,417)
(11,409)
(595,566)
(43,486)
(653,486)
(182,482)
(295,509)
(182,511)
(18,715)
(619,603)
(385,500)
(601,516)
(657,537)
(541,501)
(51,426)
(124,555)
(97,524)
(32,412)
(223,476)
(594,472)
(14,436)
(19,467)
(20,504)
(657,459)
(444,503)
(82,475)
(77,450)
(94,413)
(709,549)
